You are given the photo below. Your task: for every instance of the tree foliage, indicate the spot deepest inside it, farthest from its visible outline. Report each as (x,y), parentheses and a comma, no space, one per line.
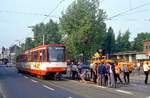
(48,31)
(109,41)
(83,23)
(118,42)
(82,29)
(126,46)
(122,42)
(138,41)
(29,43)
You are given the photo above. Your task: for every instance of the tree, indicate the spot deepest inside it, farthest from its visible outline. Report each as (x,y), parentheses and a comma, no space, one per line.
(109,43)
(138,41)
(118,42)
(83,24)
(38,31)
(52,33)
(122,42)
(29,43)
(126,46)
(49,31)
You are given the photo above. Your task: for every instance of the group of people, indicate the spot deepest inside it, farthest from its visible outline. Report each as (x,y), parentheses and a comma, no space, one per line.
(108,73)
(78,71)
(105,72)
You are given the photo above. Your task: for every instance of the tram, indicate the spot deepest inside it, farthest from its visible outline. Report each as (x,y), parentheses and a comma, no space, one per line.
(44,60)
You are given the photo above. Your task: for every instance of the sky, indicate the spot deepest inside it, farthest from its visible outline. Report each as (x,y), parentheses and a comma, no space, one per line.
(17,15)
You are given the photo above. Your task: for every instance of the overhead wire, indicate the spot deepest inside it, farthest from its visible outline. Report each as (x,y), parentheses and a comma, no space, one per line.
(129,10)
(31,13)
(53,10)
(139,11)
(26,13)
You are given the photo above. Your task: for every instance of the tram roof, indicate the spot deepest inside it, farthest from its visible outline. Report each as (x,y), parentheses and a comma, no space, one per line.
(40,47)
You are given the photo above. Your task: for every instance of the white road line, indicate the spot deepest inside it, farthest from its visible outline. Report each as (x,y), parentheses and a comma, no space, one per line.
(48,87)
(26,77)
(101,86)
(69,97)
(34,81)
(133,84)
(148,97)
(125,92)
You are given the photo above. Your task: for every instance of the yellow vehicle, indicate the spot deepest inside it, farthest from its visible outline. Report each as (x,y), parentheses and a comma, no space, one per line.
(130,65)
(99,60)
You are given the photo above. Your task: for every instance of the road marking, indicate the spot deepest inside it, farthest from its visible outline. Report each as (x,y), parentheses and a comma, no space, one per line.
(139,86)
(125,92)
(133,84)
(67,89)
(101,86)
(48,87)
(34,81)
(26,77)
(69,97)
(148,97)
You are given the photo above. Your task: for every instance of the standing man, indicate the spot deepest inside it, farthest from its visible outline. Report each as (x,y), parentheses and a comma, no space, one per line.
(146,71)
(117,73)
(74,70)
(101,71)
(126,75)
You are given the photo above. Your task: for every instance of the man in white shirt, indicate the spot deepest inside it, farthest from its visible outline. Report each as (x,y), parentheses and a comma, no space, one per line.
(146,71)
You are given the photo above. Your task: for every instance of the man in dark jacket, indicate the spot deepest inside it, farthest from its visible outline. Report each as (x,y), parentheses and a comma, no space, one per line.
(101,74)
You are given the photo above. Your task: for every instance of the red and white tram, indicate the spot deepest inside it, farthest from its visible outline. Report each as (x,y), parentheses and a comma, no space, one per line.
(44,60)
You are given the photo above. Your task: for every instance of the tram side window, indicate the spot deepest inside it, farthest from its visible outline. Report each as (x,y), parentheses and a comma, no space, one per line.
(42,55)
(32,56)
(29,57)
(35,56)
(25,58)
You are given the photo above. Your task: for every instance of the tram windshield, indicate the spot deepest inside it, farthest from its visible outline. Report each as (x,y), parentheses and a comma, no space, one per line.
(56,53)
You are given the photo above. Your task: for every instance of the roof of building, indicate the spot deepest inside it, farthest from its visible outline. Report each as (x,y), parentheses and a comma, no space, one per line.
(127,53)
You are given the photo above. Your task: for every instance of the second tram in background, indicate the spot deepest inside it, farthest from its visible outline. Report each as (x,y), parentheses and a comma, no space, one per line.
(43,61)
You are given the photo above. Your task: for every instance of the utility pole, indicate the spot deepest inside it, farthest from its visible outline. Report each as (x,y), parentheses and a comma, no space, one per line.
(43,39)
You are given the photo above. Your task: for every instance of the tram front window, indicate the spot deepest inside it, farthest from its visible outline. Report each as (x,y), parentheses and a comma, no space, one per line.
(56,54)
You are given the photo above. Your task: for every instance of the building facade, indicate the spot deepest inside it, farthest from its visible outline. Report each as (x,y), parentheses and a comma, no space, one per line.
(133,56)
(147,47)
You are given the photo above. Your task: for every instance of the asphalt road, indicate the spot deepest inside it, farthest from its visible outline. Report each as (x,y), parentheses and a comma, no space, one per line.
(16,85)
